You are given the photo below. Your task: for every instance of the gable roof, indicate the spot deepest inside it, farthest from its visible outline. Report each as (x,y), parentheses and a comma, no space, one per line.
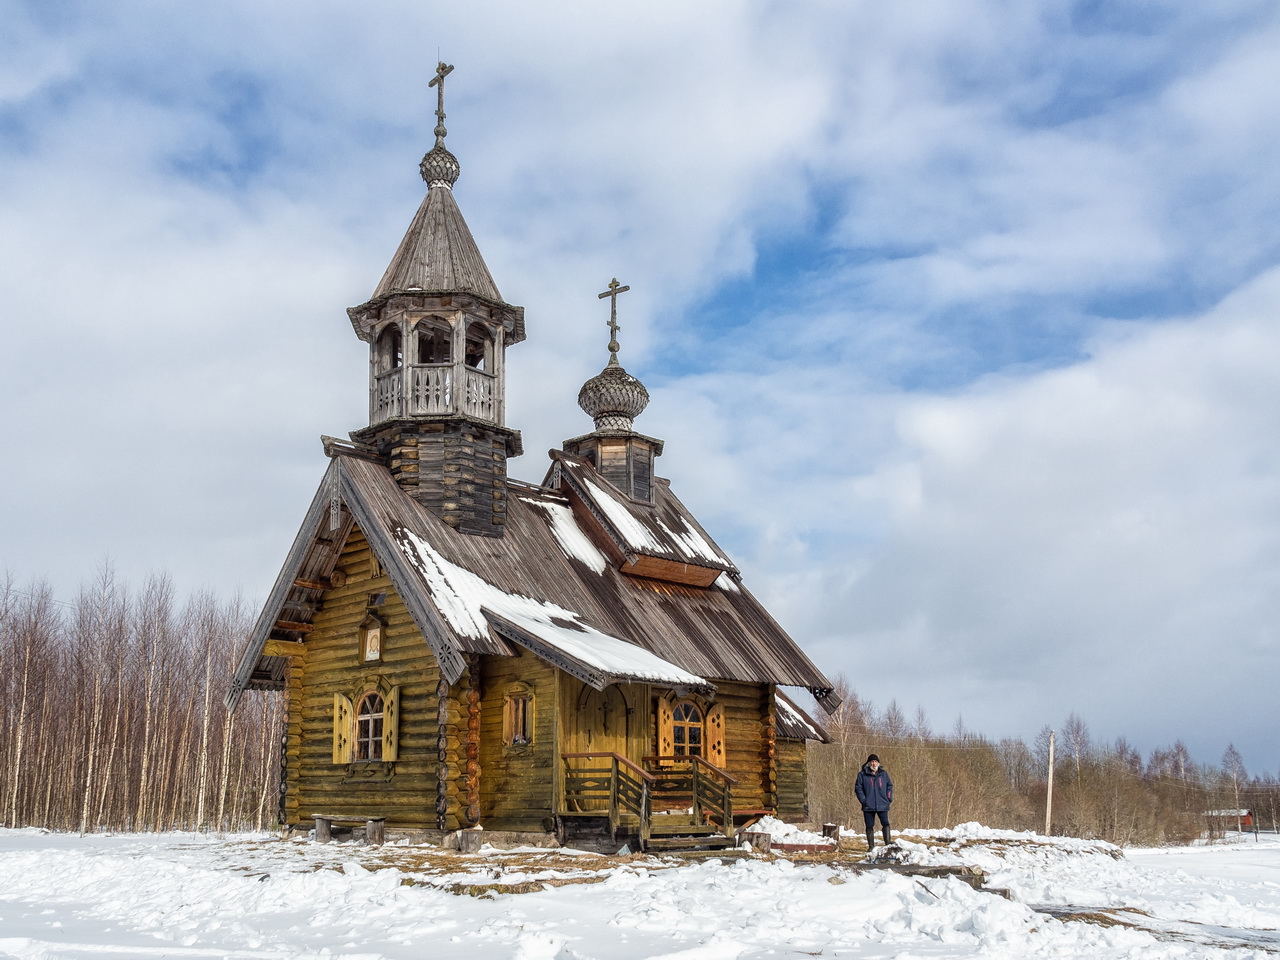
(795,724)
(438,253)
(545,585)
(664,530)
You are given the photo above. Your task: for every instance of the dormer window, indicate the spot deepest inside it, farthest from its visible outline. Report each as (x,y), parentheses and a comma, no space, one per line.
(434,342)
(479,351)
(390,349)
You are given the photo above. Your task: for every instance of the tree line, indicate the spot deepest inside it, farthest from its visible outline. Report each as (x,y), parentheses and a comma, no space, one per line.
(1101,790)
(112,718)
(111,713)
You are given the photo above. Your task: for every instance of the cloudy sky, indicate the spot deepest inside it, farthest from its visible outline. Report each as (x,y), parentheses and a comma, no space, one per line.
(961,320)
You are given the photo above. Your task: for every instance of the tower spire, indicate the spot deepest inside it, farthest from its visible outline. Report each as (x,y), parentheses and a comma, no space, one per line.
(439,167)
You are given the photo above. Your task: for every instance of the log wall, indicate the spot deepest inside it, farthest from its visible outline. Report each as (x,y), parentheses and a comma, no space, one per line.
(518,782)
(404,792)
(793,784)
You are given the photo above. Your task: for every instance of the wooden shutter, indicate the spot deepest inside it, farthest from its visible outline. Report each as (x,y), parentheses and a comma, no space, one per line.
(666,730)
(343,729)
(715,736)
(391,724)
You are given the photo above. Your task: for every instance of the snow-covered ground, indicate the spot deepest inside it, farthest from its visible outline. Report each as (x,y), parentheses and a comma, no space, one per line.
(193,896)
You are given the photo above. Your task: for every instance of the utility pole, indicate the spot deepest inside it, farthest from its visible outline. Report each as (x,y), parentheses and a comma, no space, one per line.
(1048,796)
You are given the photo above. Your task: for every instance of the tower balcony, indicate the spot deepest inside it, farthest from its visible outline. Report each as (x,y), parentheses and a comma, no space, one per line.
(435,389)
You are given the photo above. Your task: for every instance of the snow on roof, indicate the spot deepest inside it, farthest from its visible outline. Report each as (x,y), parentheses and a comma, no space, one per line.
(726,582)
(692,543)
(793,723)
(573,541)
(636,535)
(464,599)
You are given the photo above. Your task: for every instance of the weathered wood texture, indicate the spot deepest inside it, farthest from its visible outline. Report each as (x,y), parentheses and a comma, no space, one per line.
(518,780)
(402,791)
(454,467)
(793,786)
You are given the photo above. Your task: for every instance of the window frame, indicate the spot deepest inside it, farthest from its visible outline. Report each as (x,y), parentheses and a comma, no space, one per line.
(518,717)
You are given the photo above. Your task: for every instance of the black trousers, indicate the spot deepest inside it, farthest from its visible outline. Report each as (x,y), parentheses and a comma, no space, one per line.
(870,817)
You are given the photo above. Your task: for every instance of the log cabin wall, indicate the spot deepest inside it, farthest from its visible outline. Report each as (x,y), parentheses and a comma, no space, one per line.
(793,781)
(404,791)
(748,744)
(517,781)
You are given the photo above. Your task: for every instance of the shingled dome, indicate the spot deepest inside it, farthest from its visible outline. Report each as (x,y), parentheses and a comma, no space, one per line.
(613,398)
(440,168)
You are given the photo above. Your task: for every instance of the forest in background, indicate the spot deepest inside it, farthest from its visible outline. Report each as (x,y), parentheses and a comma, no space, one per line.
(111,713)
(1106,791)
(112,718)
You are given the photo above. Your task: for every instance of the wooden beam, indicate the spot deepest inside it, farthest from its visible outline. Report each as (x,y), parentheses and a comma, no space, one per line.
(293,626)
(284,648)
(312,584)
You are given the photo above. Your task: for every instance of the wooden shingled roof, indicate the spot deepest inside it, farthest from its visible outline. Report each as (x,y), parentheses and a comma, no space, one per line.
(438,253)
(546,563)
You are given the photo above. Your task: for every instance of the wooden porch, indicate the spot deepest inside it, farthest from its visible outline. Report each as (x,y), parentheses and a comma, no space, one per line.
(664,803)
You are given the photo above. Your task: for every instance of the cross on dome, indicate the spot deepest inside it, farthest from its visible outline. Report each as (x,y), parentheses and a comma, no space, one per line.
(439,167)
(612,293)
(442,71)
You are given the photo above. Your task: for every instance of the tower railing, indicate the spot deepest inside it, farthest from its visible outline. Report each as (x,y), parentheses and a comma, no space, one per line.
(481,400)
(428,388)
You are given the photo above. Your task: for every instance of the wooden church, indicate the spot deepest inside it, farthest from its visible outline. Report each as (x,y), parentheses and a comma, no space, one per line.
(458,649)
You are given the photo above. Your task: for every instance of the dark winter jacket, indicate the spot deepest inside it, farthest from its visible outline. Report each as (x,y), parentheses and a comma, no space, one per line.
(874,790)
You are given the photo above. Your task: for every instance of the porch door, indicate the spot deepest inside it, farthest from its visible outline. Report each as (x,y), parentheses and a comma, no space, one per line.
(600,725)
(596,724)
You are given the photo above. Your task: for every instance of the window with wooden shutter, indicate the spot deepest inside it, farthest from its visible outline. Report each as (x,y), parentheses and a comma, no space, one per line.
(391,725)
(343,729)
(715,736)
(666,730)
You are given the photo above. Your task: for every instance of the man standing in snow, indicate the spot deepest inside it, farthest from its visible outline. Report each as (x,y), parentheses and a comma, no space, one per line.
(874,790)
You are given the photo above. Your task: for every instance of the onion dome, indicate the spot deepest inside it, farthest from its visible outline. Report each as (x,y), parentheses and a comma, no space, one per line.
(613,397)
(439,167)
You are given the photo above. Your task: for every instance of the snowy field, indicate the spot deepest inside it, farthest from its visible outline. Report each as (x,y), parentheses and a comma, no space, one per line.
(193,896)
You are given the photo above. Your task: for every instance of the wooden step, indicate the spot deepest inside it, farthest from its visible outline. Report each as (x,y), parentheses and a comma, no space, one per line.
(683,830)
(718,842)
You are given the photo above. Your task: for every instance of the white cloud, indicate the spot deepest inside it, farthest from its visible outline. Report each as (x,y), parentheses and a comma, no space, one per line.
(193,195)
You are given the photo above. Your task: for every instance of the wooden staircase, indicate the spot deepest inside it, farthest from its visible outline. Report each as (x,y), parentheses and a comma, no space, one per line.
(680,832)
(608,800)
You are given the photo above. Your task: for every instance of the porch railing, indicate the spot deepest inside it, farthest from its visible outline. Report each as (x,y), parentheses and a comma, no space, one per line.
(607,781)
(691,781)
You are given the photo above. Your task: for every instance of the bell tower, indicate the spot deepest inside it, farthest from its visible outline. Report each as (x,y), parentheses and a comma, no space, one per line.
(438,332)
(613,398)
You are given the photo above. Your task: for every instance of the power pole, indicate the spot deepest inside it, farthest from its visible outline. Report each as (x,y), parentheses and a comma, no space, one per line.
(1048,797)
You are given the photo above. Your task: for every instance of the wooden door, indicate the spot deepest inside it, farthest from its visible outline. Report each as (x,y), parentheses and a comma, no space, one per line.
(596,722)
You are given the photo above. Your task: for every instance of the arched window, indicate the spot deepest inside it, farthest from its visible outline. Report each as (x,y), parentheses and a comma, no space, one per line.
(390,349)
(687,730)
(369,717)
(434,343)
(479,355)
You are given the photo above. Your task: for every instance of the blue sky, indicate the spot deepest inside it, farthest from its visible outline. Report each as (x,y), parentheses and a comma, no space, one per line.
(959,319)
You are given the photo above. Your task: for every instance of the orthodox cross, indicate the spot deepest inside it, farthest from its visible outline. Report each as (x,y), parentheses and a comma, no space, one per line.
(442,71)
(612,293)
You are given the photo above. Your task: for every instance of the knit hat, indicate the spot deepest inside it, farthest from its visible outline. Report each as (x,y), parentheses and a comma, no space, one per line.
(873,757)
